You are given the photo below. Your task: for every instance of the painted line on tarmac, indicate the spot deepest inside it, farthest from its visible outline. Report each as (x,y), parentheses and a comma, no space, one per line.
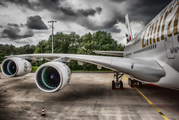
(150,102)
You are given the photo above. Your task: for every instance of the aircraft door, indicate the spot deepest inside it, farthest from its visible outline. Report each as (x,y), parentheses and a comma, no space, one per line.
(169,47)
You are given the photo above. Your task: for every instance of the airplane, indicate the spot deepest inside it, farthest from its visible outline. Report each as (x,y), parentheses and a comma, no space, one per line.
(150,57)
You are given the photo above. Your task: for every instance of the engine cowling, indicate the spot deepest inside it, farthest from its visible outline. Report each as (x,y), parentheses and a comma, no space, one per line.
(15,67)
(52,76)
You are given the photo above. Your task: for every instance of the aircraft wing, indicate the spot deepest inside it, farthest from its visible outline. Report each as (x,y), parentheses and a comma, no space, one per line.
(144,69)
(116,53)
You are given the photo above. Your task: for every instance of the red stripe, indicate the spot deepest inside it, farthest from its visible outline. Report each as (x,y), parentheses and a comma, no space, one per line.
(162,104)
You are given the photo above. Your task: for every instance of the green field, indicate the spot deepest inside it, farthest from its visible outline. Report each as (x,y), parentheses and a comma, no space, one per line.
(34,68)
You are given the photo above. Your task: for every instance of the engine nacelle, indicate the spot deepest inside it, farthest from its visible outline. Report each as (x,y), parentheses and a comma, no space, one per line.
(15,67)
(52,76)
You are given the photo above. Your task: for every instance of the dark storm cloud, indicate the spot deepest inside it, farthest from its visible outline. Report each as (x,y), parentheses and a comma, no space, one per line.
(67,11)
(38,5)
(20,2)
(141,10)
(86,12)
(13,32)
(35,22)
(15,25)
(118,1)
(55,6)
(146,10)
(98,10)
(107,25)
(1,4)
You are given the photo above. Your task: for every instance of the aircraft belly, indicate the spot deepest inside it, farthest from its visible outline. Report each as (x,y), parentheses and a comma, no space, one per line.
(147,70)
(171,79)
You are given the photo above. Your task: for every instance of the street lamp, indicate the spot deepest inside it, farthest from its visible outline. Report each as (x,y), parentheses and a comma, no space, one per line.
(52,21)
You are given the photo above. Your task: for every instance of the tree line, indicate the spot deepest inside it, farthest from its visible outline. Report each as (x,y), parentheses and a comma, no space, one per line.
(67,43)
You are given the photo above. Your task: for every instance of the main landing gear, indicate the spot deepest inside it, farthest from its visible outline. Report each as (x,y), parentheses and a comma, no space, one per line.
(118,84)
(133,83)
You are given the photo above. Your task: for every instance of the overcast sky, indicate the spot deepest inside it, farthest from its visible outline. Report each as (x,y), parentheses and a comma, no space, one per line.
(26,21)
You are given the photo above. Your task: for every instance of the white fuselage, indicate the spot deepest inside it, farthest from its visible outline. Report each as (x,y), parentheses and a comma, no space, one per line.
(159,41)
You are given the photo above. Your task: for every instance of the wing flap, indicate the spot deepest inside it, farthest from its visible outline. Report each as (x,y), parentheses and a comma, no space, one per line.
(116,53)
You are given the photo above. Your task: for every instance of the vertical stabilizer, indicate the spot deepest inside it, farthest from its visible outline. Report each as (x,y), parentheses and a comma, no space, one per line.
(129,35)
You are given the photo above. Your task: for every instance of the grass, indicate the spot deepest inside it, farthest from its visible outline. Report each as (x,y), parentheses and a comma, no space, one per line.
(34,68)
(92,71)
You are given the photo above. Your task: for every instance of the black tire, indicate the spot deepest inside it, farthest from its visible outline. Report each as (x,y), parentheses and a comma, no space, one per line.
(121,85)
(139,84)
(113,85)
(130,82)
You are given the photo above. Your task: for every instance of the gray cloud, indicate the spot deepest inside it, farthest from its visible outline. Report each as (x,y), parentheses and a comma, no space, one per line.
(15,25)
(98,10)
(138,10)
(20,2)
(118,1)
(67,11)
(86,12)
(1,4)
(55,6)
(115,30)
(146,10)
(13,32)
(35,22)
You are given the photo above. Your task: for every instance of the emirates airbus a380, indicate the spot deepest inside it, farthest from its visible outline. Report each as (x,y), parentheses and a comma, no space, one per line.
(150,57)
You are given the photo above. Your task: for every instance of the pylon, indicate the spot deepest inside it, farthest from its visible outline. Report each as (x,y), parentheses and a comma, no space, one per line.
(4,89)
(43,112)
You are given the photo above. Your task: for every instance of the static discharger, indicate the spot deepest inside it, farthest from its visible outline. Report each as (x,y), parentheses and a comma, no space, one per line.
(43,112)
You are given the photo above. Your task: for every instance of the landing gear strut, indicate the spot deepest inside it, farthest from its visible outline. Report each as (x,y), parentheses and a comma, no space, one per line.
(134,83)
(118,84)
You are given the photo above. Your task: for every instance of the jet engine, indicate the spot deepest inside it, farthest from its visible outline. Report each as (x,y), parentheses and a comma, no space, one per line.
(15,67)
(52,76)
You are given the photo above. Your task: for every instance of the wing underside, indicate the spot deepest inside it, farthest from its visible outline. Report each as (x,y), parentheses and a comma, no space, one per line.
(146,70)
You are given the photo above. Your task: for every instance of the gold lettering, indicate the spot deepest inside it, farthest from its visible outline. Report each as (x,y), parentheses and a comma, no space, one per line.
(148,35)
(163,26)
(159,28)
(144,45)
(156,23)
(175,29)
(151,33)
(168,29)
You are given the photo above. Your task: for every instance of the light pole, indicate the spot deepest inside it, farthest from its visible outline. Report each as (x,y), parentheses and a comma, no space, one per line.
(52,21)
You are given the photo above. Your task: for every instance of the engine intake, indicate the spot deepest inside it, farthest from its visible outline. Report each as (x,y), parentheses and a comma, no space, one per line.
(52,76)
(14,67)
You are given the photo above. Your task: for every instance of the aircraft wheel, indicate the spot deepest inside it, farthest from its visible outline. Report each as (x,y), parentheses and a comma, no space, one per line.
(130,82)
(113,85)
(121,85)
(139,84)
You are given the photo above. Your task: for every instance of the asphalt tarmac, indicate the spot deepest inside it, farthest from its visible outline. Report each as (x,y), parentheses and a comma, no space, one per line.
(88,96)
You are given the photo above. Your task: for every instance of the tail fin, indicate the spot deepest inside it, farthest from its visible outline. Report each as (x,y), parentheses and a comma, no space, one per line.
(130,37)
